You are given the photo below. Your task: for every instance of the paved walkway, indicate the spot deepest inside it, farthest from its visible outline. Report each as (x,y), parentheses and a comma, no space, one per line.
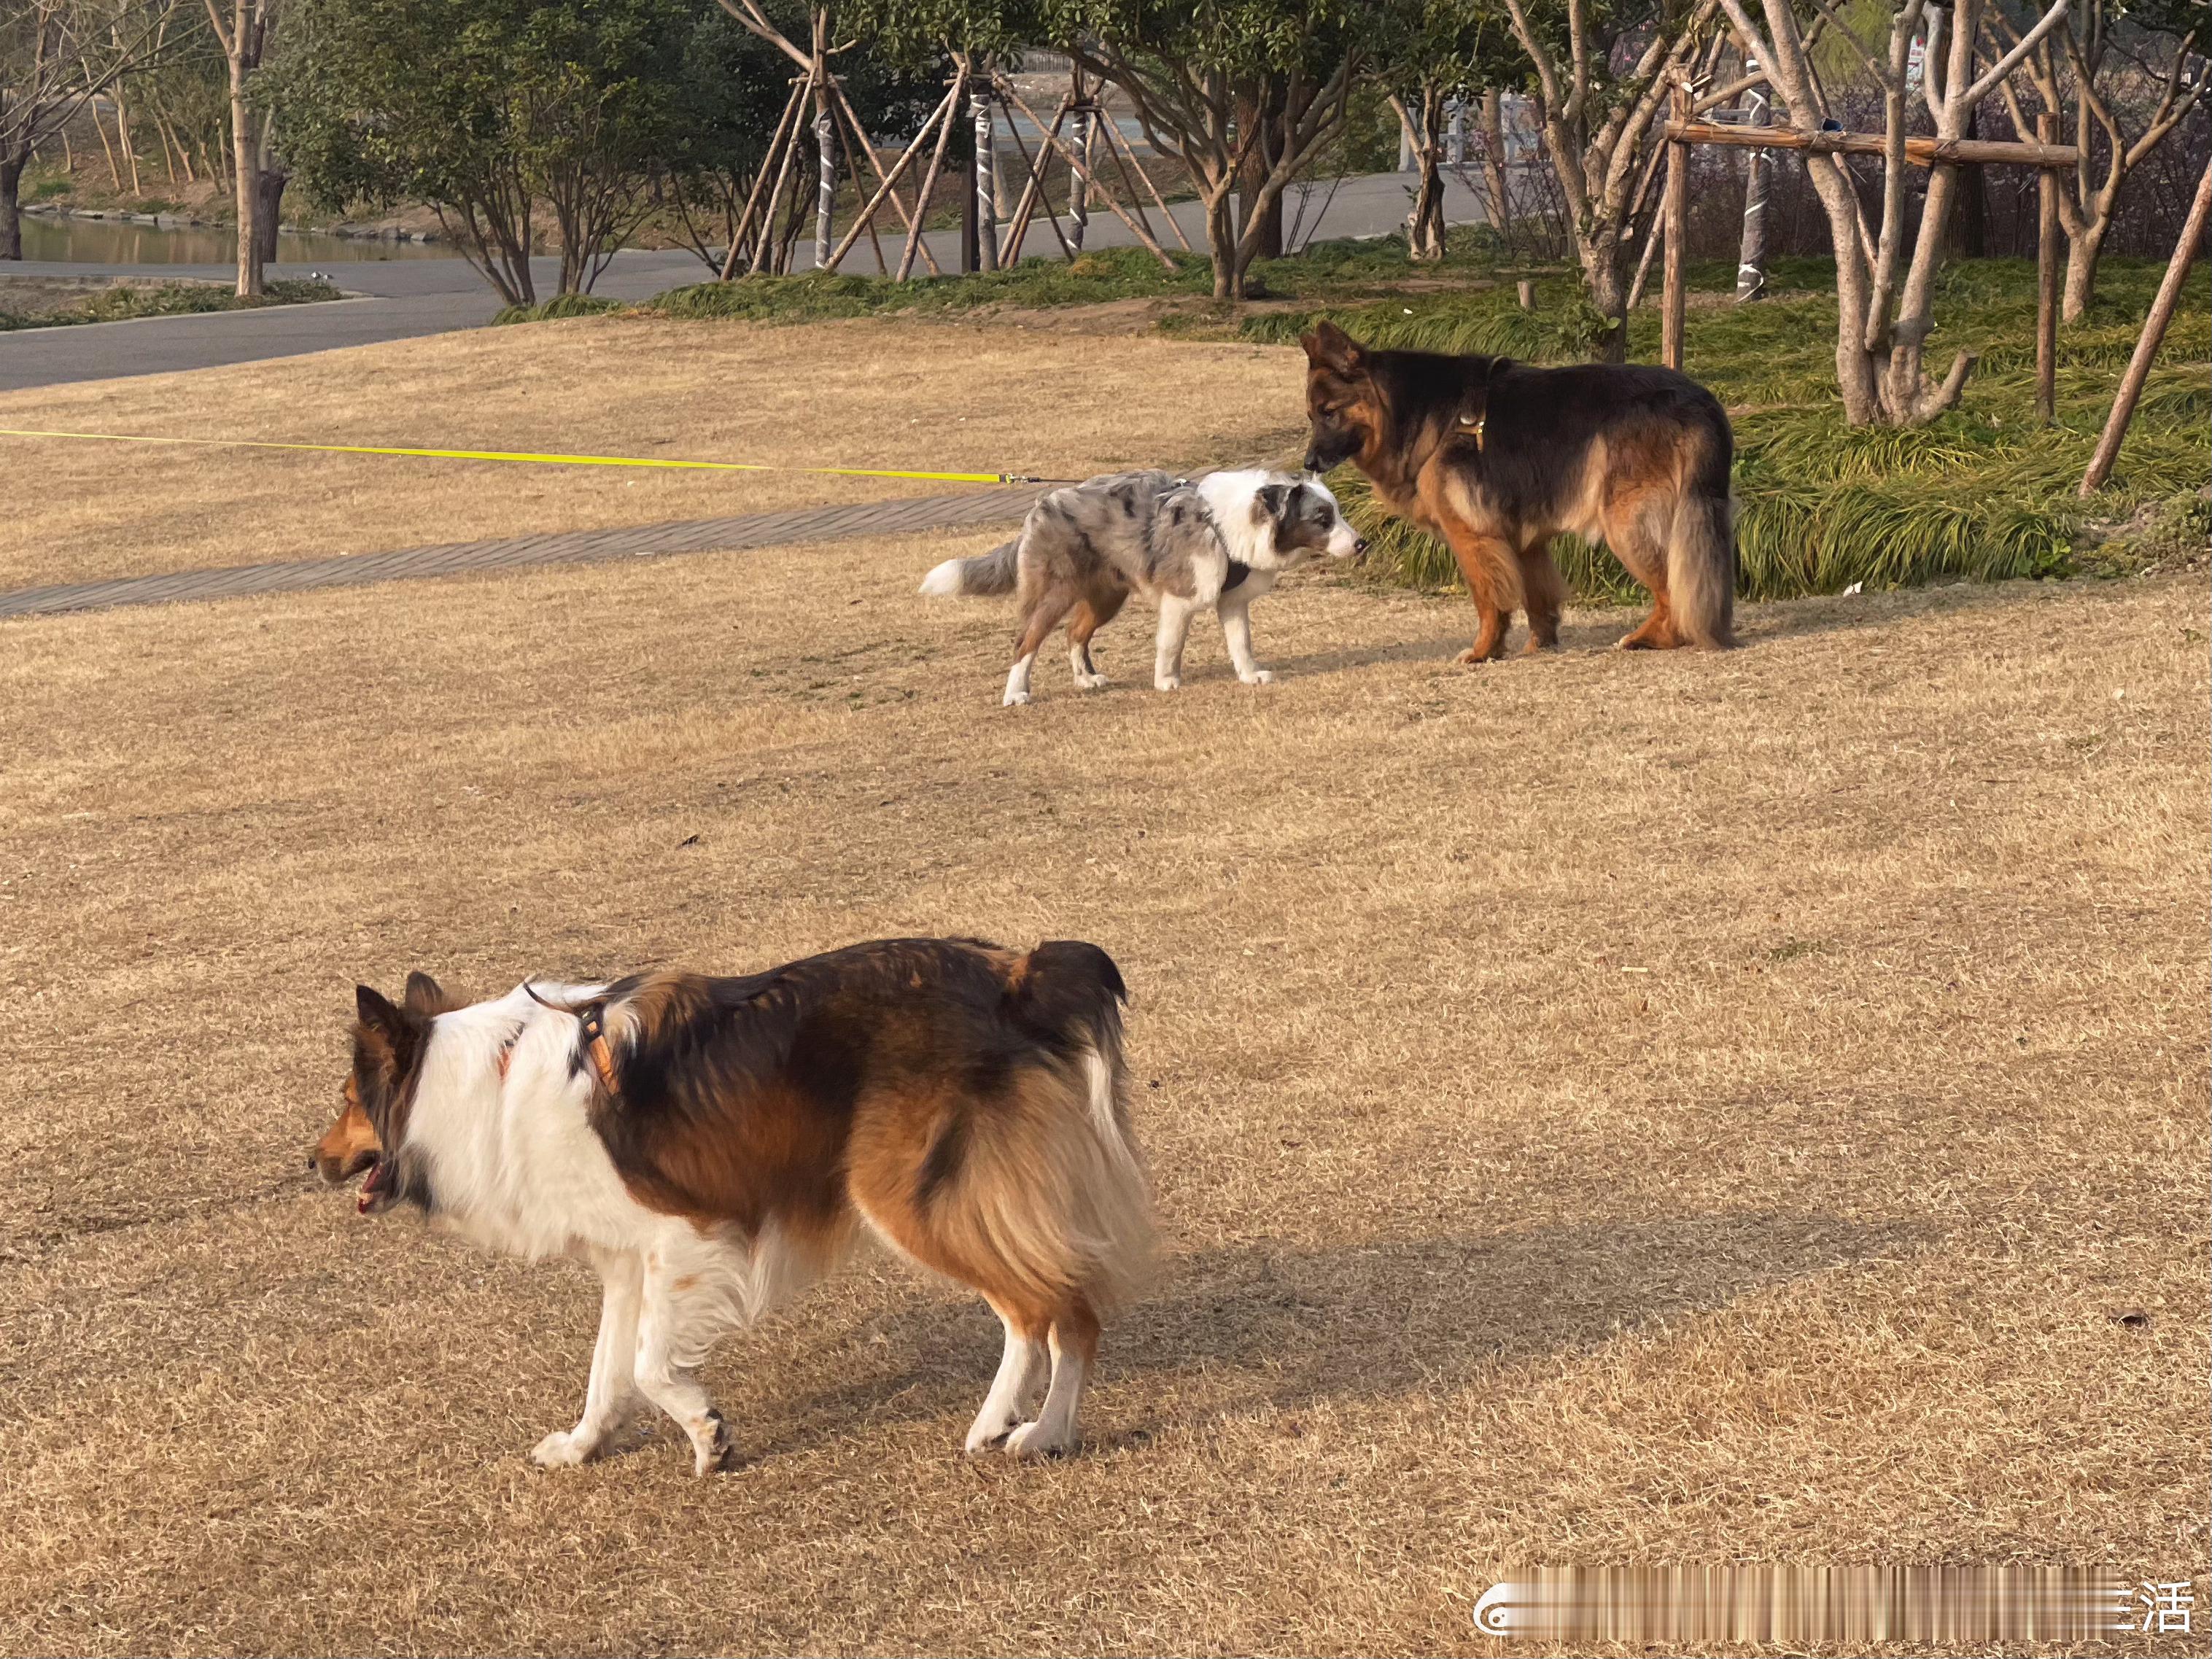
(407,298)
(806,524)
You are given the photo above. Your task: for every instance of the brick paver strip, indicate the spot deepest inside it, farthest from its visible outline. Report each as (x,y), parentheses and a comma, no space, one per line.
(979,506)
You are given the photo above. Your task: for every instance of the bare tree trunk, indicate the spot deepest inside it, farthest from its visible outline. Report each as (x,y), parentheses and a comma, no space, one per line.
(241,39)
(1425,225)
(114,172)
(1608,295)
(825,188)
(1261,109)
(11,217)
(1078,188)
(1221,241)
(168,154)
(1676,214)
(1595,142)
(123,137)
(986,185)
(1972,224)
(269,196)
(1494,171)
(2082,253)
(1883,323)
(1751,253)
(250,283)
(2153,333)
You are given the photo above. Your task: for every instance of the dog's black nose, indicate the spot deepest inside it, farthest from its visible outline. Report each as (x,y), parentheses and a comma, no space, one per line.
(311,1163)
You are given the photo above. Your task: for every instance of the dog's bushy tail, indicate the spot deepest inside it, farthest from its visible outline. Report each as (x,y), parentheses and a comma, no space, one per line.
(985,574)
(1701,553)
(1051,1191)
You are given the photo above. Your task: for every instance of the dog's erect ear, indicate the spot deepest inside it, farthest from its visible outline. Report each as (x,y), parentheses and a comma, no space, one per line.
(425,995)
(394,1032)
(376,1010)
(1329,347)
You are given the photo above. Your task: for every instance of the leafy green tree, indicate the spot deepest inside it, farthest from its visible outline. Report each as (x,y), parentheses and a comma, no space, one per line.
(492,111)
(2123,66)
(1601,70)
(1246,91)
(1427,51)
(56,57)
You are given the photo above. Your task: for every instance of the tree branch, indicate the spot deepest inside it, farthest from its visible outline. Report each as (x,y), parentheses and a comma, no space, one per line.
(2005,65)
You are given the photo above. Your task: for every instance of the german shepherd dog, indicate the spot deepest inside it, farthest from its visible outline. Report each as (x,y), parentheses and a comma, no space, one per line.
(712,1145)
(1181,546)
(1495,457)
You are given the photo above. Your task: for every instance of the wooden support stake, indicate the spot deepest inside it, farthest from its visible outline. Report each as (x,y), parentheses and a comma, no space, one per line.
(752,197)
(1010,252)
(1083,172)
(1678,213)
(860,138)
(1052,218)
(1128,179)
(1921,152)
(867,219)
(1643,264)
(1525,291)
(891,181)
(767,248)
(1116,135)
(2153,334)
(929,179)
(2047,283)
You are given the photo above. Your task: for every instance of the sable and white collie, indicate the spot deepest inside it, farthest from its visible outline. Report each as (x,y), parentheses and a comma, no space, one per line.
(1181,546)
(712,1145)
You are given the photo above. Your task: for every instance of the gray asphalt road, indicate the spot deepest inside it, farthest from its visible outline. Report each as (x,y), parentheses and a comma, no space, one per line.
(406,298)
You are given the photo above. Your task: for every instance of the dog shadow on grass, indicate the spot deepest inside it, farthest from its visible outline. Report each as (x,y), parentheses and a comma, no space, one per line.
(1287,1326)
(1595,631)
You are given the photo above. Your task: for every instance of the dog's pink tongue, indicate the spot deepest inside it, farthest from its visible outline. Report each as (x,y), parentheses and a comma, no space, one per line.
(368,1188)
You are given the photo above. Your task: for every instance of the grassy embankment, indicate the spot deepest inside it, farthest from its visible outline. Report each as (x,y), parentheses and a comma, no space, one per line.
(1983,492)
(34,303)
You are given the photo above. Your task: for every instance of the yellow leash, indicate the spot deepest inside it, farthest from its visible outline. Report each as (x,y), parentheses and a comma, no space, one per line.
(551,460)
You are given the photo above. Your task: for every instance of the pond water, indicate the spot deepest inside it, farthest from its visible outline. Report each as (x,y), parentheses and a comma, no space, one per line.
(118,242)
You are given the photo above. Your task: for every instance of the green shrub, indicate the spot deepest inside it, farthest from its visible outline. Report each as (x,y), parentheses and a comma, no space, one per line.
(560,306)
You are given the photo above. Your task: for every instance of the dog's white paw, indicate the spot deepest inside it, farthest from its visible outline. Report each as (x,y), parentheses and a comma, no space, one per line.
(560,1450)
(984,1436)
(1258,677)
(1030,1440)
(1013,700)
(711,1447)
(1167,682)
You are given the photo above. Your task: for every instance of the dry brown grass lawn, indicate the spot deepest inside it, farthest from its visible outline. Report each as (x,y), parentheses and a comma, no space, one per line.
(1605,1109)
(935,397)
